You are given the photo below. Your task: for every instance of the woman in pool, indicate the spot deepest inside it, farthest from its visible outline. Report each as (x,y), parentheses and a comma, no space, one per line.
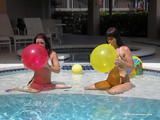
(41,80)
(118,79)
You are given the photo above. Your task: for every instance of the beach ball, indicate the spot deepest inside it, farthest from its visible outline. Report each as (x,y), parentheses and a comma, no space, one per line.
(77,69)
(103,58)
(138,68)
(34,56)
(136,60)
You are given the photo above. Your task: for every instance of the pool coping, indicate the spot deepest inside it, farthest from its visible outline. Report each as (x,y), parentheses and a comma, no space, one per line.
(146,66)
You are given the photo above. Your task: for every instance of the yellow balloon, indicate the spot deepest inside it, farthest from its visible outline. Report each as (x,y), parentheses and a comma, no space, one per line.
(77,69)
(103,58)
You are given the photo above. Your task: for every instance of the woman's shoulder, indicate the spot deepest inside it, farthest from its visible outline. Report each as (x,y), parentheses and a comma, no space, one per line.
(124,47)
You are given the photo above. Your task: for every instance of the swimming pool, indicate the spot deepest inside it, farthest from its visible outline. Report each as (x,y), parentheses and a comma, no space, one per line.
(77,107)
(140,103)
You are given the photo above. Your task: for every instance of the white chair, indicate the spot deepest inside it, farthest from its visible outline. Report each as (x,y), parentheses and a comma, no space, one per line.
(34,26)
(54,26)
(22,39)
(7,34)
(5,31)
(4,40)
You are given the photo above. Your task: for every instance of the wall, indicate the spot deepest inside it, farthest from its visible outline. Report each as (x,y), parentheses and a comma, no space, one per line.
(2,6)
(154,19)
(26,8)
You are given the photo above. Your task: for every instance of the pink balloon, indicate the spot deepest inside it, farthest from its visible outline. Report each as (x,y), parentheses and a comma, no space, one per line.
(34,56)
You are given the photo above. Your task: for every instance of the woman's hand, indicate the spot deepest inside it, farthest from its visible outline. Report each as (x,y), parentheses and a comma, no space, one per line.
(55,67)
(120,62)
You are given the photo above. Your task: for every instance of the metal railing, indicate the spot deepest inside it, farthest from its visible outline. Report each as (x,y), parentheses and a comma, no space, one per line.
(82,5)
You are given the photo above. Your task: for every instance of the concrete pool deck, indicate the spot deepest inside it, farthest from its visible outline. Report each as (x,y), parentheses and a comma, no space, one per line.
(145,87)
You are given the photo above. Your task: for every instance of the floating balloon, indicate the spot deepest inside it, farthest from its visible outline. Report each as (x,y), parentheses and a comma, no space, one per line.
(34,56)
(77,69)
(103,58)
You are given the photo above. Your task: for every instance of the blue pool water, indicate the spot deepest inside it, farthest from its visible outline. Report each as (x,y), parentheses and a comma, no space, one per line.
(77,107)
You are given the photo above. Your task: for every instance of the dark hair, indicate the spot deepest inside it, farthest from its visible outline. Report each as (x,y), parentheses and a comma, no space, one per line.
(113,32)
(44,37)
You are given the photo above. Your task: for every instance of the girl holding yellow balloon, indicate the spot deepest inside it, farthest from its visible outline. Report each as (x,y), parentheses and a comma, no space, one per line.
(118,80)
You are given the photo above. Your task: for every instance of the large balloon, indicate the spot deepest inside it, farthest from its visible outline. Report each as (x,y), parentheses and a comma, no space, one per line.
(103,58)
(34,56)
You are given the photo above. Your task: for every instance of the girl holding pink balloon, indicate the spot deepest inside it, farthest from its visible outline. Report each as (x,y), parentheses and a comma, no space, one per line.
(41,80)
(118,80)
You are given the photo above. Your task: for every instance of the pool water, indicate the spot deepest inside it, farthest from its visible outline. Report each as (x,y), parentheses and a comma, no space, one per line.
(77,107)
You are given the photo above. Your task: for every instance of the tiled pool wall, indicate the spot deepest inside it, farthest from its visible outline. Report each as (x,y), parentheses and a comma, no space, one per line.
(64,67)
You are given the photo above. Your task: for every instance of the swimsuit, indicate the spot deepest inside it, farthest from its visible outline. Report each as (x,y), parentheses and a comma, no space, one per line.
(113,79)
(41,80)
(35,84)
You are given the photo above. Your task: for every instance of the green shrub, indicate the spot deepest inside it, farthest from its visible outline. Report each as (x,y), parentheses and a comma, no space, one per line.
(129,24)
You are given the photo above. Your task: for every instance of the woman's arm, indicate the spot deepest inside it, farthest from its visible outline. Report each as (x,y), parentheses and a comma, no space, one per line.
(125,58)
(55,67)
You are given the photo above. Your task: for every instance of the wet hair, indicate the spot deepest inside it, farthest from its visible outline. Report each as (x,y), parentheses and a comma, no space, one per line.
(44,37)
(113,32)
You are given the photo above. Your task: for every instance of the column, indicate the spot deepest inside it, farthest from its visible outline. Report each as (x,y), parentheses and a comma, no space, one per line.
(154,19)
(93,17)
